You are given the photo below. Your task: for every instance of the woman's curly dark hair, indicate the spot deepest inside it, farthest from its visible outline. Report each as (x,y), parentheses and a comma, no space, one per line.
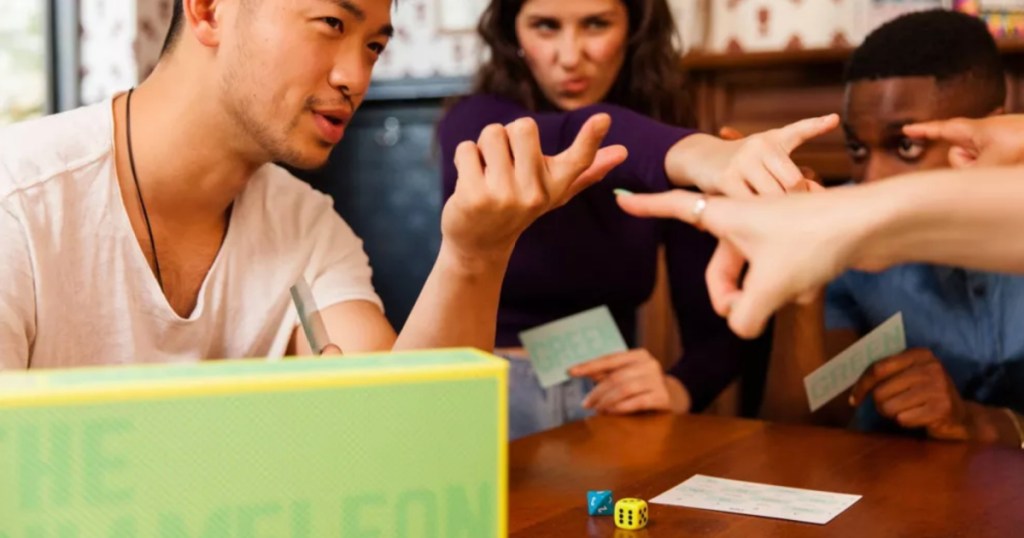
(651,82)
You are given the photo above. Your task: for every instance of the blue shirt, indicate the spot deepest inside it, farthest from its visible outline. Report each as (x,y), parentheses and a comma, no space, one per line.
(972,321)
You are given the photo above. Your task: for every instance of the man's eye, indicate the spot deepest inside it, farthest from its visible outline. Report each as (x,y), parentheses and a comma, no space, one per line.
(337,24)
(910,150)
(857,152)
(377,48)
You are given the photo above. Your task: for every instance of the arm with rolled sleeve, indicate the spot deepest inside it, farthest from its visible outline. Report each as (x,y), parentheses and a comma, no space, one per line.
(806,337)
(340,279)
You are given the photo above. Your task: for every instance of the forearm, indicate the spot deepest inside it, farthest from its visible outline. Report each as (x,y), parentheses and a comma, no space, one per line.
(647,140)
(695,159)
(649,143)
(798,350)
(458,306)
(802,345)
(946,217)
(758,164)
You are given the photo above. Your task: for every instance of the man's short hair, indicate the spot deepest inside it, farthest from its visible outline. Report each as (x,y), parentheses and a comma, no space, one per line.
(947,45)
(177,22)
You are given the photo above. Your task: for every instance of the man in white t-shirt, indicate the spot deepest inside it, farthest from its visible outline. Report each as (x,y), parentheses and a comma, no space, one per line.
(152,228)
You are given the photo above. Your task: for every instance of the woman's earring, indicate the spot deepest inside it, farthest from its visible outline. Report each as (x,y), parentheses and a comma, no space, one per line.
(521,53)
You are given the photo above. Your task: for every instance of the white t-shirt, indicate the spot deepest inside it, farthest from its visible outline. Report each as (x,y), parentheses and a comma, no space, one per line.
(75,287)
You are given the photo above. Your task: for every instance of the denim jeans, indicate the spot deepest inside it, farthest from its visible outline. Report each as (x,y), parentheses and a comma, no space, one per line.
(533,409)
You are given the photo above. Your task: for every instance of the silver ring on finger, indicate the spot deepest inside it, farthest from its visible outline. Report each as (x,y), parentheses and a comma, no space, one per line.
(699,207)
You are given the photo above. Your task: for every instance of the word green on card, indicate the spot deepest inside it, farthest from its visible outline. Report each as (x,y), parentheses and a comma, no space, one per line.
(560,345)
(842,372)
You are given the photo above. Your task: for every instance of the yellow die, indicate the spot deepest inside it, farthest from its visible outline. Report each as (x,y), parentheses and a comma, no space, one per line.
(631,514)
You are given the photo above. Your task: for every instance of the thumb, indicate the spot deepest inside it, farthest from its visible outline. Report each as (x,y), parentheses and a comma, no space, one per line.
(959,132)
(579,157)
(760,297)
(722,277)
(814,186)
(810,297)
(810,174)
(331,350)
(960,157)
(729,133)
(605,161)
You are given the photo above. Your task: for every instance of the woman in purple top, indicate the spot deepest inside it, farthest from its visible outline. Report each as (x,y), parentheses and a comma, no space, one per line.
(561,62)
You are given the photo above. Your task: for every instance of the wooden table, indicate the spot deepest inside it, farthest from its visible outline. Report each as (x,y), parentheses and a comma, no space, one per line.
(910,487)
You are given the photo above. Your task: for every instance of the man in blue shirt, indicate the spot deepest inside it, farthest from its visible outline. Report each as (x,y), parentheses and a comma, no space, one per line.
(965,329)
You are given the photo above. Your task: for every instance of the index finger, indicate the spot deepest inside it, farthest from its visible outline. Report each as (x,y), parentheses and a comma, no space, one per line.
(795,134)
(675,204)
(764,291)
(601,365)
(878,372)
(723,277)
(958,132)
(581,154)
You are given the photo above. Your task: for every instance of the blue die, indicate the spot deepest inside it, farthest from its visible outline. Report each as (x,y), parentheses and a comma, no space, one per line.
(600,503)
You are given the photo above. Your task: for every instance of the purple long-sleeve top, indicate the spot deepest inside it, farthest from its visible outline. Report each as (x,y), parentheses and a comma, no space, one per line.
(590,253)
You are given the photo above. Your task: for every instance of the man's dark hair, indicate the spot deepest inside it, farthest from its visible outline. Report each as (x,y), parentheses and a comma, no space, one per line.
(177,21)
(952,47)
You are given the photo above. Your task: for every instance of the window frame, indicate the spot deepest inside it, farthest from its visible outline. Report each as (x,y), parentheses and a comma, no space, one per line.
(62,36)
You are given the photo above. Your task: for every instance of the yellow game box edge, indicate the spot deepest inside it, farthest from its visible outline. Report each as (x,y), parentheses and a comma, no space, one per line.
(494,367)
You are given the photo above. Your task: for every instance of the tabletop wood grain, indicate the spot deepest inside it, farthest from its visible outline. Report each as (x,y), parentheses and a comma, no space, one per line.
(910,487)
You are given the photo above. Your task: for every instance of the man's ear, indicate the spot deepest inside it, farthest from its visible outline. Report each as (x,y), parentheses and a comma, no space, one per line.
(998,111)
(201,20)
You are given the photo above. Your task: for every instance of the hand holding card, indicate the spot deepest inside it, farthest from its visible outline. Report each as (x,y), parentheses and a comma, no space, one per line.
(560,345)
(840,373)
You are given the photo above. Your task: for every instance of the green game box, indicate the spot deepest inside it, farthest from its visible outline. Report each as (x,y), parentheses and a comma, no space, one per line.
(390,445)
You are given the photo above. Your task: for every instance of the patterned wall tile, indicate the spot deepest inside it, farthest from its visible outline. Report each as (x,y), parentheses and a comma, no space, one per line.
(107,60)
(765,25)
(423,48)
(153,18)
(772,25)
(121,42)
(121,39)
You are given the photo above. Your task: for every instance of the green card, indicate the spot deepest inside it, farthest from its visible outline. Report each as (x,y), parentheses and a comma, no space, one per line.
(842,372)
(560,345)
